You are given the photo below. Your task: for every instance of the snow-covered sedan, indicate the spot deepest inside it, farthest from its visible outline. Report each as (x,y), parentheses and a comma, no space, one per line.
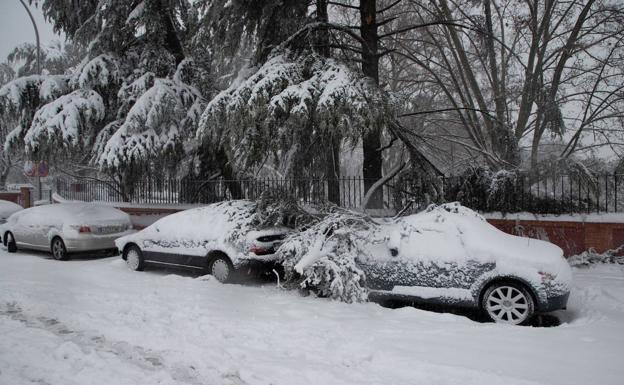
(447,254)
(220,239)
(7,209)
(65,228)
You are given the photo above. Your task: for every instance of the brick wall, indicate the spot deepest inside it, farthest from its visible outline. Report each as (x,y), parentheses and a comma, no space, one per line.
(572,237)
(14,197)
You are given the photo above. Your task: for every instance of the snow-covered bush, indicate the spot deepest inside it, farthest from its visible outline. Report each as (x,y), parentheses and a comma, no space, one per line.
(507,191)
(322,258)
(591,257)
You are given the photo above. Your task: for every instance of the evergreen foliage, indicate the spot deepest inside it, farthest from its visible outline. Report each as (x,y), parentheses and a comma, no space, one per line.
(290,108)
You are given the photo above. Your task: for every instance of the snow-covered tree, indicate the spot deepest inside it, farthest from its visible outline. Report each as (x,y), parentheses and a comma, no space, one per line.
(157,124)
(131,95)
(291,108)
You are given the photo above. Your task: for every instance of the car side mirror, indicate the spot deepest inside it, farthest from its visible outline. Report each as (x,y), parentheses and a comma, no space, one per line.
(394,251)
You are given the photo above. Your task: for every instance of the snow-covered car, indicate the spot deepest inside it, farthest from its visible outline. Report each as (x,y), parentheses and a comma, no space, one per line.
(7,208)
(66,228)
(220,239)
(447,254)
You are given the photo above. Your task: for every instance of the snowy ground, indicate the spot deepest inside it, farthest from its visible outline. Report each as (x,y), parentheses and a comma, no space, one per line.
(92,321)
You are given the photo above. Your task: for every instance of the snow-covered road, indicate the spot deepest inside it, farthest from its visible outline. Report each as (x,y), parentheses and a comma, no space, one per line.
(92,321)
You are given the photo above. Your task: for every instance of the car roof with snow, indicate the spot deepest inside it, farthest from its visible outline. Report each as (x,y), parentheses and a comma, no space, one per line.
(7,208)
(79,213)
(214,219)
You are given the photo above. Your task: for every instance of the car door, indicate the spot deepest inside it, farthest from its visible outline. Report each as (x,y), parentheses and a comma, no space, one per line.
(433,254)
(170,248)
(380,260)
(23,231)
(40,221)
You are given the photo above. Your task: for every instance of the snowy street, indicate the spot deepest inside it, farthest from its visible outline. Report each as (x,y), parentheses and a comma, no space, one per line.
(93,321)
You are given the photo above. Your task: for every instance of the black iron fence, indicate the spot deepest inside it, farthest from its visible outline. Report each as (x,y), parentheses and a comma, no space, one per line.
(515,193)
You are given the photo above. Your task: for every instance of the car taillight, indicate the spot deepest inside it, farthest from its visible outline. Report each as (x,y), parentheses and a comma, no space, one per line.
(260,250)
(84,229)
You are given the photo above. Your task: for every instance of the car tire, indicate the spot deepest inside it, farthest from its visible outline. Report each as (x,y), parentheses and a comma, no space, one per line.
(10,242)
(508,303)
(134,258)
(222,268)
(58,249)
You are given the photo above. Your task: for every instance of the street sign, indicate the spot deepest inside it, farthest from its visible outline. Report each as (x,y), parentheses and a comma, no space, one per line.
(30,168)
(43,169)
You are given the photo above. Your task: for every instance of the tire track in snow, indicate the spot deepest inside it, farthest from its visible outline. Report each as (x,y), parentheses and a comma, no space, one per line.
(145,359)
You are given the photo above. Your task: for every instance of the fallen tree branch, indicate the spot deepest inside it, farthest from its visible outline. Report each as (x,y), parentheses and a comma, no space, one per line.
(380,183)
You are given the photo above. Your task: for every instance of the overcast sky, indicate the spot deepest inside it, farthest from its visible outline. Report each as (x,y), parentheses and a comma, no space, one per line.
(16,28)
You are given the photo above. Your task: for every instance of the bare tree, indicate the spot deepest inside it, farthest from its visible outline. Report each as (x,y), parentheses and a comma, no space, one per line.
(511,72)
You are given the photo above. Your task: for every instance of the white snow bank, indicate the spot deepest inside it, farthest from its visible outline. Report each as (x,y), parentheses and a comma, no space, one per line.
(94,321)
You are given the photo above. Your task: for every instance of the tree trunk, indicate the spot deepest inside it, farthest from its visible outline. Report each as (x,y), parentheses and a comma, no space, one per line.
(503,138)
(228,174)
(332,172)
(4,174)
(371,141)
(332,158)
(172,41)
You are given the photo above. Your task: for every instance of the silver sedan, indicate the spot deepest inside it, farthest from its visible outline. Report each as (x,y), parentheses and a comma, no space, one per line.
(65,228)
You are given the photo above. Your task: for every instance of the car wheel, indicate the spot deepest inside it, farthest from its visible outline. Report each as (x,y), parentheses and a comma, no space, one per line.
(134,258)
(10,243)
(508,303)
(59,252)
(222,269)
